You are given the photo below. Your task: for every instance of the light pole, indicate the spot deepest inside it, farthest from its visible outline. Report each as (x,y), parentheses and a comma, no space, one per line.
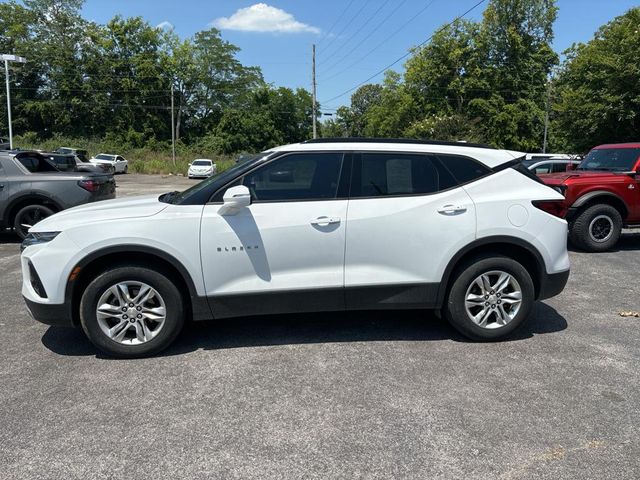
(7,59)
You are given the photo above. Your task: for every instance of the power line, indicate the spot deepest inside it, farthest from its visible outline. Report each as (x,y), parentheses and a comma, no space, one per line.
(409,52)
(326,35)
(354,34)
(347,25)
(375,29)
(400,29)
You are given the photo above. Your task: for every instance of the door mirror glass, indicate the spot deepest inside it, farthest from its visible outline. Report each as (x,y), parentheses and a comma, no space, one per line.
(235,198)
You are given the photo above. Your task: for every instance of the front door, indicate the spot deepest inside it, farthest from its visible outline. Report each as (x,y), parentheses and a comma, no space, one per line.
(407,217)
(285,252)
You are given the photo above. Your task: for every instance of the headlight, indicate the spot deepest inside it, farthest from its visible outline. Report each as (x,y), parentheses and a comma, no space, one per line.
(37,238)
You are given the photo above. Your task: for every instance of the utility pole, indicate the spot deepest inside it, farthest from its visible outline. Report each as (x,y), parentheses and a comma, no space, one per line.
(313,77)
(173,130)
(546,118)
(7,59)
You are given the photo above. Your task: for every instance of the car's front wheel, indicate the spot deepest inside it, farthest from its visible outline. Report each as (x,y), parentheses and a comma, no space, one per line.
(28,216)
(597,228)
(131,311)
(490,298)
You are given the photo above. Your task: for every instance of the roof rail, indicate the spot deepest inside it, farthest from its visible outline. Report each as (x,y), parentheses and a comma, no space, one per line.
(396,140)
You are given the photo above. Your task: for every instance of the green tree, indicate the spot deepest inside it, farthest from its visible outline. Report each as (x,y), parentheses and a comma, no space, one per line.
(598,89)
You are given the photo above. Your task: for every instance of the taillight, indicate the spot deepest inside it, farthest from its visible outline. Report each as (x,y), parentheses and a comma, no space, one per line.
(552,207)
(89,185)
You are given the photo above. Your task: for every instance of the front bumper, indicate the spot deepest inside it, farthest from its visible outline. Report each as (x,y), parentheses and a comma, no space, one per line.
(50,314)
(551,284)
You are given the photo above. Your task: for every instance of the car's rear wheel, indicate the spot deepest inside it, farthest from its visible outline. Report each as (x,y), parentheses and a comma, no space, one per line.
(131,311)
(597,228)
(28,216)
(490,298)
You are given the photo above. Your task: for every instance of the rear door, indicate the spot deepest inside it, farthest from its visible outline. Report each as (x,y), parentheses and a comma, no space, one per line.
(285,252)
(407,217)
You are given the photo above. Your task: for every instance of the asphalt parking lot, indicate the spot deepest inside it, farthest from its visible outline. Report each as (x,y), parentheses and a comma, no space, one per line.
(358,395)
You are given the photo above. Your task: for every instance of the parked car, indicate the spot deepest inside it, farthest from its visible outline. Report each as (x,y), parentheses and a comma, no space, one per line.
(71,163)
(546,156)
(31,189)
(118,162)
(351,225)
(202,168)
(4,144)
(551,165)
(601,196)
(78,152)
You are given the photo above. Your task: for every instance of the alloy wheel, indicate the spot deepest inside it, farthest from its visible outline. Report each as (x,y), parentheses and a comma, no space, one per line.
(601,228)
(131,312)
(493,299)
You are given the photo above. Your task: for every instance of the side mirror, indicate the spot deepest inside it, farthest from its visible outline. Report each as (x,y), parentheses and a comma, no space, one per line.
(235,198)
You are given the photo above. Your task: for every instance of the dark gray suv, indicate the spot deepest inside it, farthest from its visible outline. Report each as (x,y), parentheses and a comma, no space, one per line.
(32,188)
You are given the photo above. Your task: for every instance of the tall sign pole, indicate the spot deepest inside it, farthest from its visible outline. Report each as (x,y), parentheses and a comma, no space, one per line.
(173,130)
(7,59)
(313,77)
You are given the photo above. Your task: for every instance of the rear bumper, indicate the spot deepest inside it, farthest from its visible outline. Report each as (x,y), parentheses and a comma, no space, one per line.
(551,284)
(50,314)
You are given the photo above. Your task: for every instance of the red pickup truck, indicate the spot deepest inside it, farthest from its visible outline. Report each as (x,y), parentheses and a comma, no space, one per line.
(601,196)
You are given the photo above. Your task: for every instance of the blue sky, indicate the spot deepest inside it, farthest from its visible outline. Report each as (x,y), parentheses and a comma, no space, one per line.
(277,35)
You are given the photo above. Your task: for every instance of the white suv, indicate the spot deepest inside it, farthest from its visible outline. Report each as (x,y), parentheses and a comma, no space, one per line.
(323,225)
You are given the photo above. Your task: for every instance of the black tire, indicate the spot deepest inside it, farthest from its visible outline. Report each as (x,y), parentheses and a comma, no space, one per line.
(456,312)
(174,306)
(29,215)
(126,169)
(594,222)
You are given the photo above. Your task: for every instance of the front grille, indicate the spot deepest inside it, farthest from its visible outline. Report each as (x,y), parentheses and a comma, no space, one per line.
(36,283)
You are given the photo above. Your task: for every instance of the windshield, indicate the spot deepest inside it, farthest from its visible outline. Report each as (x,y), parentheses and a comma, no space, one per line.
(102,156)
(216,181)
(611,159)
(201,163)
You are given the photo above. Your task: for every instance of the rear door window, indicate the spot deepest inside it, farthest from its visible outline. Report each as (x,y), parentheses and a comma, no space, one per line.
(399,174)
(36,164)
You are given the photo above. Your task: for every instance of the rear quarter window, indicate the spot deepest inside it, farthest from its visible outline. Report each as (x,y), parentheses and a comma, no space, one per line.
(464,169)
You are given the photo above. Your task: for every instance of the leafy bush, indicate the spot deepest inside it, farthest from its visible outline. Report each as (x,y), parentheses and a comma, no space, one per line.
(152,158)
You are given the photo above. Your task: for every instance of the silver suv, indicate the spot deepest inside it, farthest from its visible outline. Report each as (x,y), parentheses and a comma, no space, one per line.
(32,188)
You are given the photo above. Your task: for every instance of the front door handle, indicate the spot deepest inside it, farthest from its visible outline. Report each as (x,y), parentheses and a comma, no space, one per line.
(452,209)
(324,221)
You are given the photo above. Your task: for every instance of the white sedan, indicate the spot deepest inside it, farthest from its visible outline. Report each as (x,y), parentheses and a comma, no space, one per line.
(119,163)
(202,168)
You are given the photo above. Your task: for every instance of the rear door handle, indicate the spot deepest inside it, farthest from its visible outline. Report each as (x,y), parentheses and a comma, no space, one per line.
(452,209)
(324,221)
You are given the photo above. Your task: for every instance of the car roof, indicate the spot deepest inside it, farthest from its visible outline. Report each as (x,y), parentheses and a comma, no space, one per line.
(489,156)
(203,159)
(618,145)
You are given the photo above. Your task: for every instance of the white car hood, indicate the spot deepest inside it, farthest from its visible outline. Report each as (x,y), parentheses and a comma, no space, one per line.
(130,207)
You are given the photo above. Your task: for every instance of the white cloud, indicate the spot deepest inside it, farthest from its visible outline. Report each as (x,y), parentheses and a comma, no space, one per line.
(263,18)
(166,25)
